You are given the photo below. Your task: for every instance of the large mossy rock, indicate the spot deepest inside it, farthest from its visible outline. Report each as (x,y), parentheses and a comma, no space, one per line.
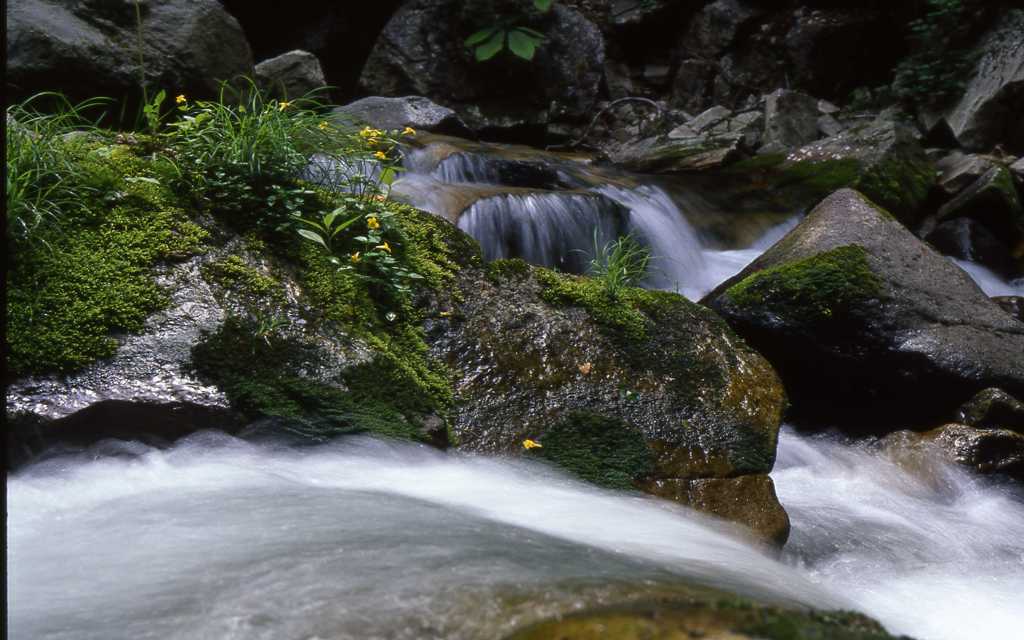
(529,349)
(87,49)
(881,157)
(867,325)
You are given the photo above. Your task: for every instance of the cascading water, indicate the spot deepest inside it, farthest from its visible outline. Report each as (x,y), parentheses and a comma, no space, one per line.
(220,538)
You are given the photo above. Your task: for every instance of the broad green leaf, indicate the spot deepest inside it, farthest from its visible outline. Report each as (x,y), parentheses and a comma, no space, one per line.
(489,49)
(315,237)
(542,5)
(533,32)
(387,176)
(479,36)
(522,44)
(344,225)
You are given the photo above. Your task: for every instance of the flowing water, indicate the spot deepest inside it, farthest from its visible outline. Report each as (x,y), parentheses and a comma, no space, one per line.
(222,538)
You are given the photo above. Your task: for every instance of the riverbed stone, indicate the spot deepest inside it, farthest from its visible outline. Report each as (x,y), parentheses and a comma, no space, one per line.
(90,48)
(291,75)
(960,170)
(790,121)
(422,114)
(993,408)
(1013,305)
(867,325)
(748,500)
(993,201)
(532,346)
(998,452)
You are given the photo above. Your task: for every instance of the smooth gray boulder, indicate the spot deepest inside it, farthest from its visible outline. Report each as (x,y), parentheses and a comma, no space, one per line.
(90,48)
(867,325)
(291,75)
(396,113)
(989,112)
(790,121)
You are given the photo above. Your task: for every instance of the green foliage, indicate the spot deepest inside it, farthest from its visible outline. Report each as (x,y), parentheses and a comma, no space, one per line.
(506,32)
(941,61)
(602,450)
(241,159)
(95,274)
(619,264)
(43,183)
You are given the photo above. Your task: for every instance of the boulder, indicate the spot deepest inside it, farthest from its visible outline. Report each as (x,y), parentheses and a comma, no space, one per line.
(421,51)
(867,325)
(984,451)
(530,349)
(960,170)
(90,48)
(790,121)
(993,408)
(663,154)
(290,75)
(988,112)
(1017,169)
(993,201)
(396,113)
(748,500)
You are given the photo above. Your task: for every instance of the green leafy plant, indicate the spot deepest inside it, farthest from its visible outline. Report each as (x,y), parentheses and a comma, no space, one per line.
(43,181)
(619,264)
(521,41)
(941,60)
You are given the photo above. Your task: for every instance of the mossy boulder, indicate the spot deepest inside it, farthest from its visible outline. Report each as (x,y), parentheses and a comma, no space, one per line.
(881,158)
(529,349)
(866,324)
(678,618)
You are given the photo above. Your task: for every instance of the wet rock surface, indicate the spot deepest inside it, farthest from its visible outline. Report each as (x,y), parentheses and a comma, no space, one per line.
(998,452)
(993,408)
(396,113)
(705,404)
(290,75)
(868,325)
(88,49)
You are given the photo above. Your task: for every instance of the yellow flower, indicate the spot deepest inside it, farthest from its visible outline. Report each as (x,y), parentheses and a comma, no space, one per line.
(354,258)
(284,104)
(181,99)
(323,126)
(370,132)
(408,131)
(372,223)
(532,444)
(380,155)
(384,247)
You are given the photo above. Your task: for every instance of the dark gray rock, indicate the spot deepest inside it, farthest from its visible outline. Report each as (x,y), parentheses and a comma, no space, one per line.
(984,451)
(993,408)
(867,325)
(420,51)
(291,75)
(960,170)
(992,200)
(790,121)
(988,114)
(90,48)
(968,239)
(396,113)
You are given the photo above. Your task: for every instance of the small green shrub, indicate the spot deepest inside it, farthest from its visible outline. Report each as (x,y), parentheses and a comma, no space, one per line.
(43,181)
(941,60)
(507,32)
(619,264)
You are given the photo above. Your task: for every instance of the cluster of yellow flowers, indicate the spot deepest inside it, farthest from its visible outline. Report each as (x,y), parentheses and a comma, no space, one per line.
(532,444)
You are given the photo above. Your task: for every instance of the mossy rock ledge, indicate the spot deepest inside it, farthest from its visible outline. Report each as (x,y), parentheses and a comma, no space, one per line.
(868,326)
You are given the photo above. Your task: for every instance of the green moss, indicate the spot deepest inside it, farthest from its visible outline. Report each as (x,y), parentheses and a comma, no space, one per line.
(265,376)
(94,275)
(771,182)
(605,451)
(510,269)
(434,248)
(406,373)
(900,184)
(233,273)
(623,316)
(818,288)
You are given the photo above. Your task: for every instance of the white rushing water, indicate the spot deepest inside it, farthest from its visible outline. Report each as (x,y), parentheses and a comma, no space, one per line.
(219,538)
(990,283)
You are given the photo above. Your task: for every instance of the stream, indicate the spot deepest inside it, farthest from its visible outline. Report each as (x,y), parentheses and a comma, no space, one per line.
(218,537)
